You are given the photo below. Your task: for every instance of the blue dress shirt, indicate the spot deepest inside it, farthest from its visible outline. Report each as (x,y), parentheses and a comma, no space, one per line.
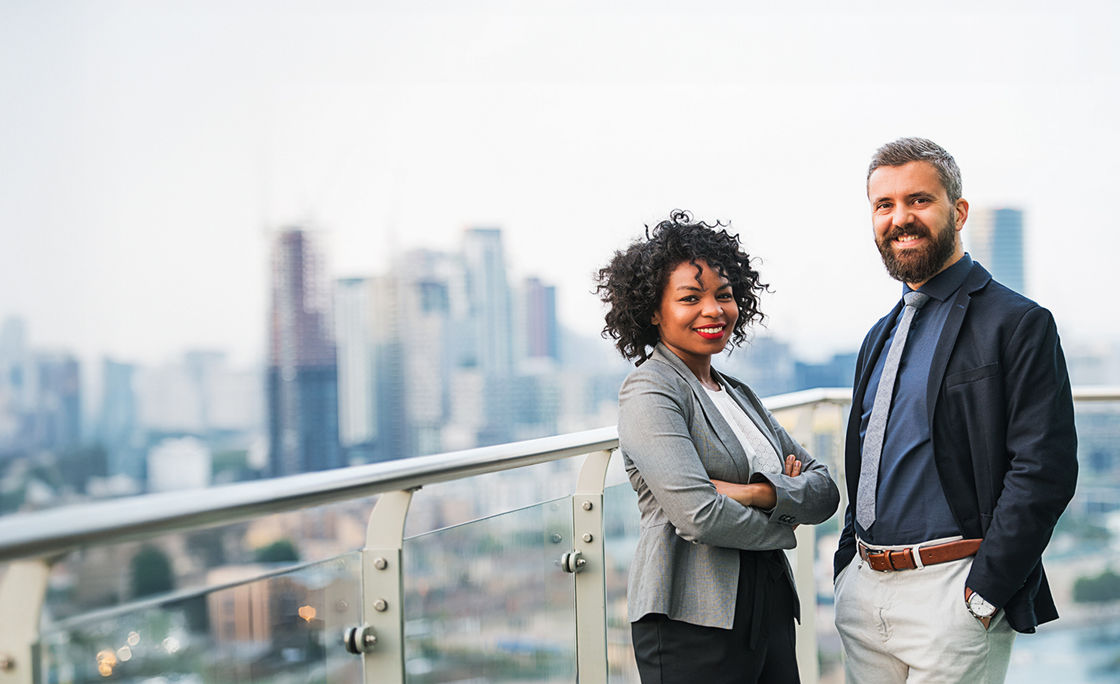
(910,505)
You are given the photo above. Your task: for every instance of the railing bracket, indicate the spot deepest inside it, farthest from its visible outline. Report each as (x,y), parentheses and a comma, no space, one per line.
(573,562)
(359,640)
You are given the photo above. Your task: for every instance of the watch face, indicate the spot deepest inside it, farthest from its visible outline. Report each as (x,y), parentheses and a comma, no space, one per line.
(979,607)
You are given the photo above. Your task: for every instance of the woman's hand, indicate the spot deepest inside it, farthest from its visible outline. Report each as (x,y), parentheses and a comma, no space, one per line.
(758,494)
(792,466)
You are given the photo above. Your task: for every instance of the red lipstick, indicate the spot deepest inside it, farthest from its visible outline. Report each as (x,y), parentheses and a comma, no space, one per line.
(710,335)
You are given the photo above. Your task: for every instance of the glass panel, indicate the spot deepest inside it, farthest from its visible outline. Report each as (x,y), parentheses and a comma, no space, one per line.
(620,532)
(447,504)
(285,627)
(1081,647)
(487,600)
(1084,645)
(819,427)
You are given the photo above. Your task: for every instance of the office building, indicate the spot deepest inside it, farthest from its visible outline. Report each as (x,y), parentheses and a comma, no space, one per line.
(357,368)
(118,429)
(57,417)
(539,327)
(994,237)
(302,378)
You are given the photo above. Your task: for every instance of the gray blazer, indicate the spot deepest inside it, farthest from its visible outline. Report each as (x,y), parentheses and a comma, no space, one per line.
(674,440)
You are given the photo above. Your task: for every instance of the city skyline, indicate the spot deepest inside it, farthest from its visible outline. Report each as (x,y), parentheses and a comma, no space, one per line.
(150,148)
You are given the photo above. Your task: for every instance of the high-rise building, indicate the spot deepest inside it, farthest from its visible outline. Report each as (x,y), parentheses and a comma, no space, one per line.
(57,418)
(995,239)
(489,329)
(538,318)
(17,383)
(488,301)
(118,428)
(357,368)
(302,384)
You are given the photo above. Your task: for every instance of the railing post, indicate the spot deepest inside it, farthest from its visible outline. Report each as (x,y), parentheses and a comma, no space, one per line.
(591,576)
(381,638)
(21,599)
(807,661)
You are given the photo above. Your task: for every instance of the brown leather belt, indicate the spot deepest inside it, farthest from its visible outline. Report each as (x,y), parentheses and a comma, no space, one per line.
(885,560)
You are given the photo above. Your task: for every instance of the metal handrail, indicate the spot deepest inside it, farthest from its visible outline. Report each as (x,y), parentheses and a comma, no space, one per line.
(49,533)
(53,532)
(1096,393)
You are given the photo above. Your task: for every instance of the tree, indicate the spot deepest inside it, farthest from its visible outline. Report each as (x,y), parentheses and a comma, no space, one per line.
(281,551)
(151,572)
(1097,588)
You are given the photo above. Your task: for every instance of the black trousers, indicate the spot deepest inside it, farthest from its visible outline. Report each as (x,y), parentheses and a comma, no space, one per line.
(758,649)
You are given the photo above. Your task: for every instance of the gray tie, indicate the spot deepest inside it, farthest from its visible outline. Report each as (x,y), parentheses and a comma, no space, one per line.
(880,411)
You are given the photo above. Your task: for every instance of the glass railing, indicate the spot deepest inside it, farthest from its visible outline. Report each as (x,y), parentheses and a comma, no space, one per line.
(253,625)
(486,601)
(507,563)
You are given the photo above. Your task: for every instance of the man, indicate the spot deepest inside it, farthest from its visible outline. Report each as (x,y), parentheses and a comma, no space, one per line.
(960,461)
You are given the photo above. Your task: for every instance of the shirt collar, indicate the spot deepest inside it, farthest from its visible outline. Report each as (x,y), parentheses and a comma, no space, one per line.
(944,284)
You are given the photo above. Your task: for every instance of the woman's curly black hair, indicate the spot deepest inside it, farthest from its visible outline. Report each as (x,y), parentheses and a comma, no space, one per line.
(632,283)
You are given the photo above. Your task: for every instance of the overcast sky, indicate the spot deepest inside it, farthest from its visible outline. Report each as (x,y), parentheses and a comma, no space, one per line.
(147,148)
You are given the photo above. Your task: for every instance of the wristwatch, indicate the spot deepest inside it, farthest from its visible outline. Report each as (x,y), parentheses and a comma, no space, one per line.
(980,609)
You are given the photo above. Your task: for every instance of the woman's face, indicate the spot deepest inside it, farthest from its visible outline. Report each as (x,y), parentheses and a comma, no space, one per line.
(695,319)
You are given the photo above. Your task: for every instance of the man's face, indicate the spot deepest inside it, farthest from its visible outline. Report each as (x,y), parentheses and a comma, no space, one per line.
(916,227)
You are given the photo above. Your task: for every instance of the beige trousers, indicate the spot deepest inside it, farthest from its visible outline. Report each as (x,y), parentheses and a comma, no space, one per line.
(913,626)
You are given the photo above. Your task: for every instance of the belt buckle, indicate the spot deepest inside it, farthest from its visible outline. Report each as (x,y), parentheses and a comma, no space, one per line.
(873,557)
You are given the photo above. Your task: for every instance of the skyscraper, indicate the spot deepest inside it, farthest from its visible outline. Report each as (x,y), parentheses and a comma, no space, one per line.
(119,426)
(58,412)
(995,239)
(357,368)
(302,382)
(490,329)
(16,385)
(488,300)
(538,316)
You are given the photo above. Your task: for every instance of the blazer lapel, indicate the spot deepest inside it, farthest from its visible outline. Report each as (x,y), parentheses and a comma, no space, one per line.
(752,412)
(878,341)
(720,428)
(977,278)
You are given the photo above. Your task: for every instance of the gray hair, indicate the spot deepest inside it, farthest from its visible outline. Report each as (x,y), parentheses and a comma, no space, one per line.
(906,150)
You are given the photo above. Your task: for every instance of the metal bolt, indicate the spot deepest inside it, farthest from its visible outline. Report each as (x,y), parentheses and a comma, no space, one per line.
(380,563)
(370,639)
(341,606)
(587,505)
(556,538)
(587,537)
(381,605)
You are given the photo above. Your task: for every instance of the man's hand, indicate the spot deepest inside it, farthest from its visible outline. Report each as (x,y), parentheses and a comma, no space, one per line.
(978,607)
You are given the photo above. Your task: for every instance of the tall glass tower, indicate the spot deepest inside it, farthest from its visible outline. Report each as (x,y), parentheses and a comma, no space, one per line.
(302,368)
(995,239)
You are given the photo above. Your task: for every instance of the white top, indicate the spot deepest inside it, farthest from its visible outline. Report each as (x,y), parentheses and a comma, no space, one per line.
(759,450)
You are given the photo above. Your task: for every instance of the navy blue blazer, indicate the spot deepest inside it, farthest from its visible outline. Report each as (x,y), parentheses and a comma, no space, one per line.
(1004,444)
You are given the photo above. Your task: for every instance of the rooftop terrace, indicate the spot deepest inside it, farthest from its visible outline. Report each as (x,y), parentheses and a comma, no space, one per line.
(505,563)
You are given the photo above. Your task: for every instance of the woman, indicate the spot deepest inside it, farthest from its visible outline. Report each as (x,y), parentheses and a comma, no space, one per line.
(711,596)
